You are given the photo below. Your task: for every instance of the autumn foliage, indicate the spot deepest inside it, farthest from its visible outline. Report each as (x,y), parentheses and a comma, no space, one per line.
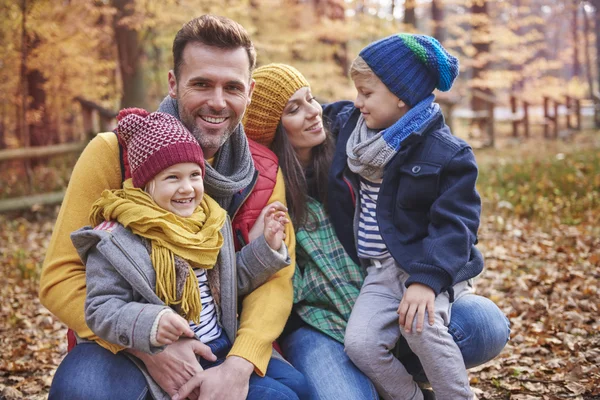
(540,230)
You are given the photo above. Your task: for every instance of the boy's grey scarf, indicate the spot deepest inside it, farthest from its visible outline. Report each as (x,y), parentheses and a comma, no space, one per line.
(370,150)
(232,169)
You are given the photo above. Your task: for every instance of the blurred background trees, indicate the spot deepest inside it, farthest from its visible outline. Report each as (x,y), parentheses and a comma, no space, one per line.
(116,53)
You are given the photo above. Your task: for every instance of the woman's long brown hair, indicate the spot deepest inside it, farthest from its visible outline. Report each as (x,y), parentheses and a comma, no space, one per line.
(297,187)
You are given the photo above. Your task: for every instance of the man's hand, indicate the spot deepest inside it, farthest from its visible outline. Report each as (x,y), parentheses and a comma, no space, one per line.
(417,299)
(174,366)
(229,380)
(259,226)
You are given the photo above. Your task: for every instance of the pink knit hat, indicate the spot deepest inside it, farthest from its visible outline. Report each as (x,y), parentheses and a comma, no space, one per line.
(154,142)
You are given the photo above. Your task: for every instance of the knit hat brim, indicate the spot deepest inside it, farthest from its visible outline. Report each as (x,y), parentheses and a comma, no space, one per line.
(274,85)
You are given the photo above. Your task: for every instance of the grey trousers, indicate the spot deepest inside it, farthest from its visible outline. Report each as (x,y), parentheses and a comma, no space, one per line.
(373,331)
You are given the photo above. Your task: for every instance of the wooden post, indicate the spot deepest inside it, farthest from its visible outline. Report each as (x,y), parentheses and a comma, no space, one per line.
(515,122)
(578,113)
(88,125)
(490,122)
(546,117)
(526,117)
(556,104)
(569,107)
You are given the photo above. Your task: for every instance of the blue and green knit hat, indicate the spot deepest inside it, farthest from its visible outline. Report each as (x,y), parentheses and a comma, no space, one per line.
(411,66)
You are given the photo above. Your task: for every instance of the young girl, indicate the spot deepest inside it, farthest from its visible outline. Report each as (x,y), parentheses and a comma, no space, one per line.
(160,262)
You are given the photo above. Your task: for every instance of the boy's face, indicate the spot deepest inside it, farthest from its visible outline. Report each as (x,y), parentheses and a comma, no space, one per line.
(379,107)
(178,189)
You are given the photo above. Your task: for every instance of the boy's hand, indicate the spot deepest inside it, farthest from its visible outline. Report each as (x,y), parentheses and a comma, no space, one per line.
(259,225)
(275,222)
(170,327)
(417,299)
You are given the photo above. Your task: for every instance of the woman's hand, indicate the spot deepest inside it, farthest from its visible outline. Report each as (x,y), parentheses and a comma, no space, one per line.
(417,299)
(259,226)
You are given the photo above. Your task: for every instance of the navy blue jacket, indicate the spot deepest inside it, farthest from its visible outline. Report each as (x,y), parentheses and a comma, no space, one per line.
(428,208)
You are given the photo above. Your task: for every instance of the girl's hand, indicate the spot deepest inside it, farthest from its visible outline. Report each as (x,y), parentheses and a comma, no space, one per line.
(259,225)
(417,299)
(274,230)
(170,327)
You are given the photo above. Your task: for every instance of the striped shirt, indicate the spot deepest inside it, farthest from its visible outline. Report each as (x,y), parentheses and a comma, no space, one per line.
(209,328)
(370,242)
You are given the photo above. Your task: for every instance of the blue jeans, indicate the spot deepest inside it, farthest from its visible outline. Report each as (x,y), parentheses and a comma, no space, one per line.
(281,381)
(478,327)
(329,372)
(91,372)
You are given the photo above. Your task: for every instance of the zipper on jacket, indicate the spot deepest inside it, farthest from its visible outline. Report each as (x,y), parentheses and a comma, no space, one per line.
(232,263)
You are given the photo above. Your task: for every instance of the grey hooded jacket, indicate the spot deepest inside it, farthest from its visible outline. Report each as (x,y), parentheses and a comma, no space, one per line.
(121,304)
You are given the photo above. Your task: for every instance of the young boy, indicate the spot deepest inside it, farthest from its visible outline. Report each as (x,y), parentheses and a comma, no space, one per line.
(153,260)
(416,218)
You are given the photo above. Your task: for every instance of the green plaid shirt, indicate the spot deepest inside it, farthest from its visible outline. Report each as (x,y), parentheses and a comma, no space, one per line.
(326,280)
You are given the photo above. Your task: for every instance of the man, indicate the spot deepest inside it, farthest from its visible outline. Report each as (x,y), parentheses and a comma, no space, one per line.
(209,90)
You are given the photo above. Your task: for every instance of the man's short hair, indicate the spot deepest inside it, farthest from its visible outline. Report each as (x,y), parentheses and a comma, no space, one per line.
(215,31)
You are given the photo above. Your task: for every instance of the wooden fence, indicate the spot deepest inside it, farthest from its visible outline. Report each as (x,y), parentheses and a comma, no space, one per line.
(95,119)
(99,119)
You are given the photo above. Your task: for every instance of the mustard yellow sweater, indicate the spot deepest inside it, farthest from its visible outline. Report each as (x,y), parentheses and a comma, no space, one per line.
(62,284)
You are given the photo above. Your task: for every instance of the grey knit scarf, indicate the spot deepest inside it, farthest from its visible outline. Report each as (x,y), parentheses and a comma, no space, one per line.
(232,169)
(370,150)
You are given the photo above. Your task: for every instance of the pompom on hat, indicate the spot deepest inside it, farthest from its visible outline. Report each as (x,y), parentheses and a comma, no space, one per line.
(275,84)
(155,142)
(411,66)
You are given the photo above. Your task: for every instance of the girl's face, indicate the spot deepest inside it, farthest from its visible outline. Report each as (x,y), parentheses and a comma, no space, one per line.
(178,189)
(303,123)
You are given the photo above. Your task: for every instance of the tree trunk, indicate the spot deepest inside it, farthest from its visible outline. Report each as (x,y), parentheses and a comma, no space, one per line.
(482,46)
(480,39)
(130,53)
(596,4)
(574,29)
(588,58)
(24,127)
(410,18)
(437,16)
(40,130)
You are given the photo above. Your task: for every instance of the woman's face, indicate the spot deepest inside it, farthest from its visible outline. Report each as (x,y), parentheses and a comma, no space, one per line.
(303,123)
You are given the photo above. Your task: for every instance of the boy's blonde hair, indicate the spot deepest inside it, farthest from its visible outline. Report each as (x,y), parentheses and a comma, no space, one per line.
(360,69)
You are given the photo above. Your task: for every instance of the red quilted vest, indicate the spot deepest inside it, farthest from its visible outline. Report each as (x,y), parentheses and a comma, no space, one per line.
(257,196)
(266,164)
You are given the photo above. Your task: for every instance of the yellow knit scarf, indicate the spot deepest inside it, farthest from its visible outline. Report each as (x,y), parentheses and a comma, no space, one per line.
(197,239)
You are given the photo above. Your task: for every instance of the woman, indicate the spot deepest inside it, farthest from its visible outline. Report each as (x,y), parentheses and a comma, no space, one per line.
(285,117)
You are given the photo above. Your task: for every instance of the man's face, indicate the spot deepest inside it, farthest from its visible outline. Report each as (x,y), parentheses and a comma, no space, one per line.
(212,92)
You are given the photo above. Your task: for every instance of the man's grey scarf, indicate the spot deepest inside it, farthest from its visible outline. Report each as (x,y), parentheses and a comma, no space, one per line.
(232,169)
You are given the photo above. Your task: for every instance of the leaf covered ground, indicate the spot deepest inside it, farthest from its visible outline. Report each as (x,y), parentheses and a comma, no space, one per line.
(540,234)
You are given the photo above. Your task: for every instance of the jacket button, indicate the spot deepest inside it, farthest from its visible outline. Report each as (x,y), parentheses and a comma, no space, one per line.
(124,340)
(416,169)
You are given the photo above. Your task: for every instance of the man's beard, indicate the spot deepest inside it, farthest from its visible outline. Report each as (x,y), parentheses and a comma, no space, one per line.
(206,138)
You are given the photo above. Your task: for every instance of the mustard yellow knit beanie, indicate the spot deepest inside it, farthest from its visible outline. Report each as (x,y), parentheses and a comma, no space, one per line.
(275,84)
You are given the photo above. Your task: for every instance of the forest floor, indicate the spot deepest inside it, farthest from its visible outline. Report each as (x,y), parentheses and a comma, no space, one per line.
(540,234)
